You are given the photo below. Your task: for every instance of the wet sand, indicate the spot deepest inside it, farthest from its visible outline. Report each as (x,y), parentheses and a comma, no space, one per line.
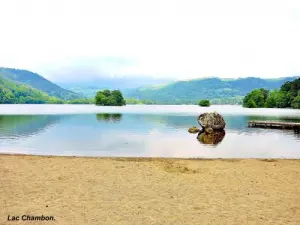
(81,191)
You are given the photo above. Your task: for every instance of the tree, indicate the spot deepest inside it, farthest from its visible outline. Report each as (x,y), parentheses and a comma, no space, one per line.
(259,97)
(256,99)
(286,86)
(204,103)
(296,103)
(282,100)
(106,93)
(252,104)
(291,88)
(109,98)
(265,93)
(100,98)
(272,99)
(118,97)
(286,97)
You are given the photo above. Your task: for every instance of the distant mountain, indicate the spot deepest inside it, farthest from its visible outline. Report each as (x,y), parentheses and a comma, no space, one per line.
(218,90)
(90,87)
(38,82)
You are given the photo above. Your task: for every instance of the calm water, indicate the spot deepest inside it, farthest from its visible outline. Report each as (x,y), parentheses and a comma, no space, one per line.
(142,131)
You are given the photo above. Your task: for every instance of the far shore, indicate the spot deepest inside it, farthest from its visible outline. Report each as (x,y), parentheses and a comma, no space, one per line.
(90,190)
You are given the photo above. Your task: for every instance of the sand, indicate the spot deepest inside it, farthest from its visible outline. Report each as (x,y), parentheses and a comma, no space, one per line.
(84,191)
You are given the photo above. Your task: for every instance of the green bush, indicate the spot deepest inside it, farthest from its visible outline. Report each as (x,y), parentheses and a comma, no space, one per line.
(204,103)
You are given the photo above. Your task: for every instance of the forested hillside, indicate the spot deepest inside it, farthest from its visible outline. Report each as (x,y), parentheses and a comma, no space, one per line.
(36,81)
(220,91)
(14,93)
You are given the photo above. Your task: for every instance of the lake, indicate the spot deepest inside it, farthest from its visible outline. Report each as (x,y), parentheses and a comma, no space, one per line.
(143,131)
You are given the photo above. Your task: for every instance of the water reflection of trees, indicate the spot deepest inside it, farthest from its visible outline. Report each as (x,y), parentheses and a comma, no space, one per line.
(109,117)
(16,126)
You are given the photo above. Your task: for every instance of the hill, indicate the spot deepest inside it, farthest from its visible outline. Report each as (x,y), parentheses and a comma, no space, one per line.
(90,87)
(16,93)
(38,82)
(219,91)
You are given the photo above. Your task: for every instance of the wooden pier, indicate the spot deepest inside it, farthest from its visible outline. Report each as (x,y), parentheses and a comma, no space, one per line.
(272,124)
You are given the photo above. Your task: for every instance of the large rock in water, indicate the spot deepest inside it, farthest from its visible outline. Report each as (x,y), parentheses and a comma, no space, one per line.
(211,121)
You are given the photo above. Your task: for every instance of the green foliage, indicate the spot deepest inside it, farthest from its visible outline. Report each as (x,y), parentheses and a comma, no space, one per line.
(81,101)
(109,98)
(272,99)
(256,99)
(238,100)
(218,91)
(204,103)
(286,97)
(37,82)
(133,101)
(282,100)
(296,102)
(286,86)
(14,93)
(265,93)
(252,104)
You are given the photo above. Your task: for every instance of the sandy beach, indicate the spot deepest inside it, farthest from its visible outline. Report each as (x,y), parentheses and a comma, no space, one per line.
(76,190)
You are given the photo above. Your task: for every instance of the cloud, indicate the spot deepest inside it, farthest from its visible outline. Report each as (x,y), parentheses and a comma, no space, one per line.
(181,39)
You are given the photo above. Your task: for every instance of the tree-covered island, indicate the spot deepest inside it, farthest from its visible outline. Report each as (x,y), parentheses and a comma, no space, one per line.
(288,96)
(109,98)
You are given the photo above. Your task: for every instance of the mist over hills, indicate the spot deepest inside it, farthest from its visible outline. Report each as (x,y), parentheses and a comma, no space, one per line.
(89,87)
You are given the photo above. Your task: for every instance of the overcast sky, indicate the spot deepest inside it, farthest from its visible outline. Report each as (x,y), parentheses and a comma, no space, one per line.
(181,39)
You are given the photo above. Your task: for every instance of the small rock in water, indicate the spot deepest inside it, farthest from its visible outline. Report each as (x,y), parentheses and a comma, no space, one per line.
(194,130)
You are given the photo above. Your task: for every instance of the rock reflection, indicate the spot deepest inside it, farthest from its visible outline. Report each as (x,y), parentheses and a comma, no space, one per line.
(213,138)
(109,117)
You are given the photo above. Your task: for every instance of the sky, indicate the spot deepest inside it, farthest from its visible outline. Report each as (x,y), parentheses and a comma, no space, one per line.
(183,39)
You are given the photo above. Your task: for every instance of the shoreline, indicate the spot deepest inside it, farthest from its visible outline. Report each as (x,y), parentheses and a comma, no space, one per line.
(146,158)
(128,190)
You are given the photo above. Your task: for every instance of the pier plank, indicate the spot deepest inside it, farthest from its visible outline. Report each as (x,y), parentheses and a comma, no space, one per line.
(274,124)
